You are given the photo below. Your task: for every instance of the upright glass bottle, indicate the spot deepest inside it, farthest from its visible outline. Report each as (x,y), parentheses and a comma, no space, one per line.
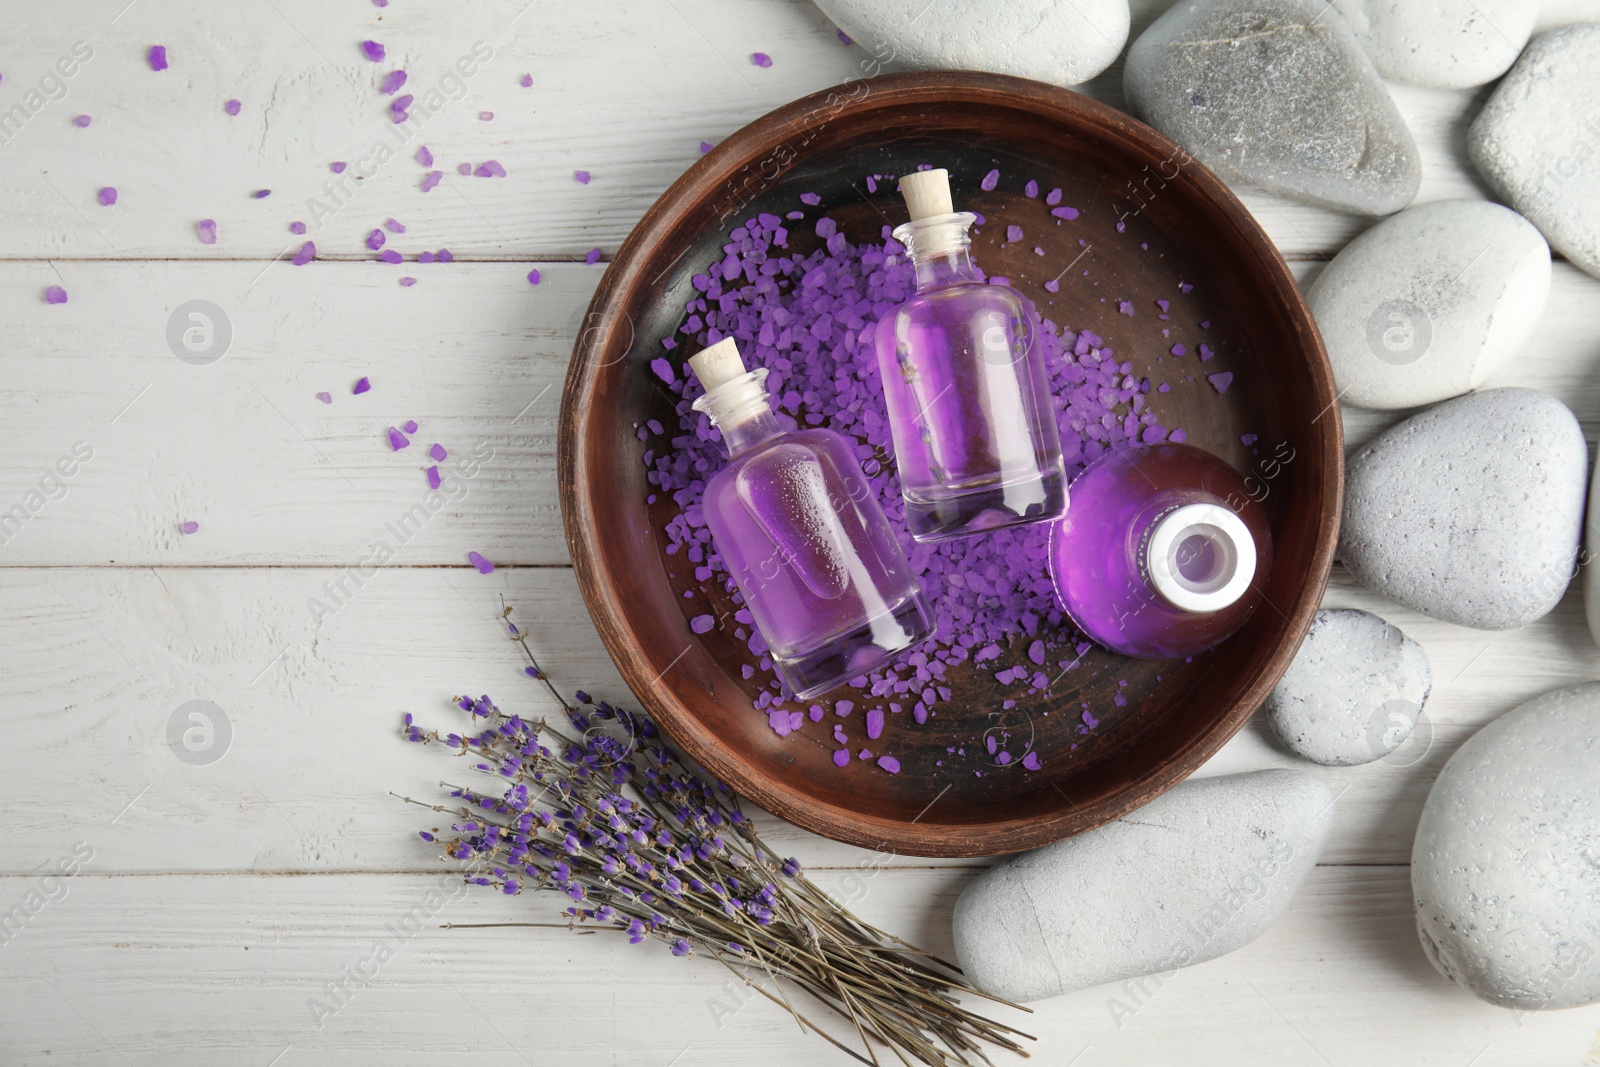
(804,538)
(1164,553)
(975,435)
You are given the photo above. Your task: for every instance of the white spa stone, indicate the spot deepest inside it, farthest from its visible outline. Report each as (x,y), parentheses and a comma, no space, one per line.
(1446,44)
(1276,94)
(1353,693)
(1431,303)
(1471,511)
(1060,41)
(1201,870)
(1503,869)
(1537,140)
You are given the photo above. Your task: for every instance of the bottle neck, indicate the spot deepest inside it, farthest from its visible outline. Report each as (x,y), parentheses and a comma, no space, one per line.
(741,409)
(1198,557)
(940,249)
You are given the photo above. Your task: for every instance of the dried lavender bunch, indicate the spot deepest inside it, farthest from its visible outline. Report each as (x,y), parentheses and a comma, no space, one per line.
(643,844)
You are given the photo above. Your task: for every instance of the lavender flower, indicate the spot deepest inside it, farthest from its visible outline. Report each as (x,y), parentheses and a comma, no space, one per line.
(600,810)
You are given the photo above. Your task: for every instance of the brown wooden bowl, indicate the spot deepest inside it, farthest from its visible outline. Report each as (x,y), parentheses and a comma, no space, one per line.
(1179,223)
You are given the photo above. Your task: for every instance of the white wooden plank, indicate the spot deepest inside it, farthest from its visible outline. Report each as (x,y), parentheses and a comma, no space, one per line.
(472,352)
(624,92)
(99,660)
(184,970)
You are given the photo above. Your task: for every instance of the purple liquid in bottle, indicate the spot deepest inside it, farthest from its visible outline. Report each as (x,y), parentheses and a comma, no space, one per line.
(975,436)
(1164,553)
(798,525)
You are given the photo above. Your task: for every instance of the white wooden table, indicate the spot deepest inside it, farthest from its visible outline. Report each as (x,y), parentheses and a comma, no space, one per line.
(219,903)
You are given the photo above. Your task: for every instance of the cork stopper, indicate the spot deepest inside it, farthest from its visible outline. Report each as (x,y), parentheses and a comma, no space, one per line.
(927,193)
(717,365)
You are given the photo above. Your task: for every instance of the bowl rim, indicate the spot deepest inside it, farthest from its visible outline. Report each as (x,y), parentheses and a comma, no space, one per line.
(758,144)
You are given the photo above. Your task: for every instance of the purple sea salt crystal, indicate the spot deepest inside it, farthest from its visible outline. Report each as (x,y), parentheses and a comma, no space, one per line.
(232,107)
(1126,307)
(362,385)
(190,527)
(706,146)
(297,227)
(393,226)
(444,255)
(841,758)
(438,453)
(1206,352)
(526,81)
(488,169)
(1013,233)
(761,59)
(1178,350)
(392,82)
(375,239)
(989,181)
(533,276)
(55,295)
(426,257)
(889,763)
(325,397)
(593,256)
(486,116)
(874,723)
(1221,380)
(1031,189)
(261,194)
(431,180)
(158,57)
(483,565)
(410,426)
(207,229)
(702,624)
(389,255)
(397,440)
(810,198)
(1248,439)
(307,253)
(81,121)
(373,51)
(822,332)
(424,156)
(433,477)
(1030,761)
(1064,212)
(581,177)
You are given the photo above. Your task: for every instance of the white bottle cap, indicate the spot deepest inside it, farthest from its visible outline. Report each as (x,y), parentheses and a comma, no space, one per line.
(927,193)
(717,365)
(1200,557)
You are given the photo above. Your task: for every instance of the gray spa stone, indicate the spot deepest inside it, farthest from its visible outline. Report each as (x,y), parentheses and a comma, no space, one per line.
(1431,303)
(1537,140)
(1201,870)
(1503,870)
(1353,693)
(1447,44)
(1060,41)
(1276,93)
(1471,511)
